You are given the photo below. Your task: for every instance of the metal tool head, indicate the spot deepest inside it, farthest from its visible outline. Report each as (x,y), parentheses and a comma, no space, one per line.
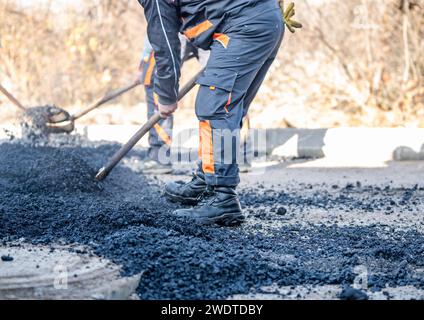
(61,127)
(56,114)
(59,121)
(101,175)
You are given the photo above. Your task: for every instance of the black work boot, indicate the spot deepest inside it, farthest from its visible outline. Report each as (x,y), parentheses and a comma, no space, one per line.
(219,205)
(186,193)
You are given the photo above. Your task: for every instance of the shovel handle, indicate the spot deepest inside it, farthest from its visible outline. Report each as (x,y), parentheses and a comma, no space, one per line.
(117,157)
(12,98)
(106,98)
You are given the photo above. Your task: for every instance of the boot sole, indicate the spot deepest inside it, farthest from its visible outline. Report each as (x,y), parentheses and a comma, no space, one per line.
(185,201)
(227,220)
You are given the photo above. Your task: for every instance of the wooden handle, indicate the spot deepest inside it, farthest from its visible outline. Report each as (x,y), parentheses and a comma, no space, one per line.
(12,98)
(117,157)
(105,99)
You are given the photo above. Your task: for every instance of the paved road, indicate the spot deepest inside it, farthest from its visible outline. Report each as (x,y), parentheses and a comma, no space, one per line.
(312,227)
(387,197)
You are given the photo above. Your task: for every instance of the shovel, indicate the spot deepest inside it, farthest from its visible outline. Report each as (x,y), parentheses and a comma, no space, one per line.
(52,113)
(68,125)
(12,98)
(121,153)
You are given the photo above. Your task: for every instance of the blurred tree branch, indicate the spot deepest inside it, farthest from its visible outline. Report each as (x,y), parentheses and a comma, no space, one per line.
(359,58)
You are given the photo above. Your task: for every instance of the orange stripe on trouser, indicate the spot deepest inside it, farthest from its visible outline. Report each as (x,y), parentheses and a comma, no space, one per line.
(155,99)
(149,72)
(198,30)
(200,144)
(222,38)
(206,147)
(230,98)
(163,135)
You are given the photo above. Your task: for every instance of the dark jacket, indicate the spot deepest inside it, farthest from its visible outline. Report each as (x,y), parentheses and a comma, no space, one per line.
(199,20)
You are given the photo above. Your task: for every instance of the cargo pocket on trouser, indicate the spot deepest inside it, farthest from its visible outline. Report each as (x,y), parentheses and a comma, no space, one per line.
(215,93)
(213,109)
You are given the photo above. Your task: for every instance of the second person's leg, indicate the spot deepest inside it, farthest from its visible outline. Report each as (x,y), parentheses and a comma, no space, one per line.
(160,137)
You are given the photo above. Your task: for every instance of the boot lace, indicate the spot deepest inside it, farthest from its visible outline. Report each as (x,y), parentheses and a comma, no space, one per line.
(194,178)
(206,197)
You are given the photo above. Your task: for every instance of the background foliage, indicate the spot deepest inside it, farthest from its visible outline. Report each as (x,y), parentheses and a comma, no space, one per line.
(356,62)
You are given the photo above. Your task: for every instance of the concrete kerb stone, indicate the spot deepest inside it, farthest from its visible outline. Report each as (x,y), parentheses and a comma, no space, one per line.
(373,144)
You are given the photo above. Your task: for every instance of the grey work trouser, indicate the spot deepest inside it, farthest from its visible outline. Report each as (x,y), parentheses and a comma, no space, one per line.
(241,56)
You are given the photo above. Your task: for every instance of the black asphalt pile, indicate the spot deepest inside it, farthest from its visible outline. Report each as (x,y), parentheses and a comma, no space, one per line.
(33,123)
(41,170)
(127,221)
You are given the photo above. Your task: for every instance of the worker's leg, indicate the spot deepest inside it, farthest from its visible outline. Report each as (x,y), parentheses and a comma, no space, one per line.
(189,193)
(260,77)
(236,61)
(228,87)
(246,143)
(160,137)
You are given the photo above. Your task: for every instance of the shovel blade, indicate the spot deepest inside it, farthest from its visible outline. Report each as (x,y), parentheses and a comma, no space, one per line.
(61,127)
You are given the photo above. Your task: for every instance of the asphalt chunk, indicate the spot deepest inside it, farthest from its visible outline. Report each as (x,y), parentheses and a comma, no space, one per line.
(7,258)
(349,293)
